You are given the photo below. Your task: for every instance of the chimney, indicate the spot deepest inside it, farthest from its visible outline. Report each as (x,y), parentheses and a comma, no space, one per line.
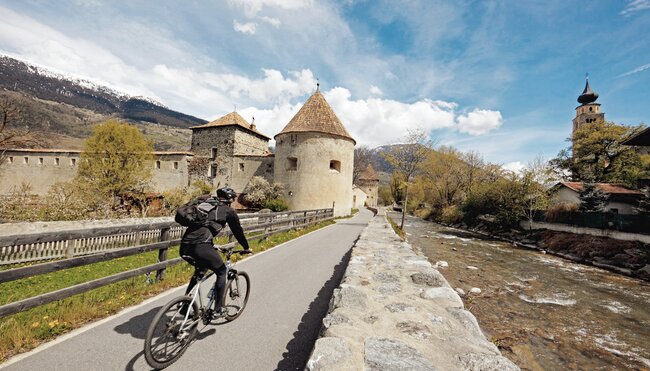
(253,124)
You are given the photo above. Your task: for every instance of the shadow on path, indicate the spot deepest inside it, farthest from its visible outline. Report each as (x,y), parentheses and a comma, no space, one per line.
(300,347)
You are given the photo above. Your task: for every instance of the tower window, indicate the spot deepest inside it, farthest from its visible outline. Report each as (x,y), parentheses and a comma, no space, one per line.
(294,139)
(157,164)
(57,161)
(335,166)
(241,166)
(26,160)
(11,159)
(40,160)
(292,163)
(73,161)
(591,109)
(213,153)
(175,165)
(212,171)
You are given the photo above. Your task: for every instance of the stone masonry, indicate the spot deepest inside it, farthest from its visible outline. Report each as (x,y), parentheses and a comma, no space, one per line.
(394,311)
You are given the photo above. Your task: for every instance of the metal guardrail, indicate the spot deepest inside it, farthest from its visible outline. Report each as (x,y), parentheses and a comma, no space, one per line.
(164,236)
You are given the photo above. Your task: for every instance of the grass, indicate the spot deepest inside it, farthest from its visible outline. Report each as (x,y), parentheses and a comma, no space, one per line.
(396,228)
(23,331)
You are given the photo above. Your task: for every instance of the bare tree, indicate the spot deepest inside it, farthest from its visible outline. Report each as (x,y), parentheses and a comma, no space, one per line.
(362,158)
(407,158)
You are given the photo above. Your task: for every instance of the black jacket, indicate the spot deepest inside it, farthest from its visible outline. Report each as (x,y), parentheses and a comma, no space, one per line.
(218,217)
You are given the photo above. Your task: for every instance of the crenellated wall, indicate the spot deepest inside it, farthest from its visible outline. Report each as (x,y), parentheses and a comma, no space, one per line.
(394,311)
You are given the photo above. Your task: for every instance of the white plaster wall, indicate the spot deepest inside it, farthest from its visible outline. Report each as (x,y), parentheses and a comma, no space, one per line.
(40,176)
(167,177)
(566,195)
(359,198)
(313,185)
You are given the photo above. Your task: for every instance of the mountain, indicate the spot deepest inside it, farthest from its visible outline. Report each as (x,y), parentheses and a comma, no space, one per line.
(56,104)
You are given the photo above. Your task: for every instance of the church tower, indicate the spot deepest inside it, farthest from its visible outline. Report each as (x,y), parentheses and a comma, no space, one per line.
(588,111)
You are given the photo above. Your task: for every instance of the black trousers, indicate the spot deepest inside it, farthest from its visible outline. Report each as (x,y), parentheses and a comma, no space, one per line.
(206,257)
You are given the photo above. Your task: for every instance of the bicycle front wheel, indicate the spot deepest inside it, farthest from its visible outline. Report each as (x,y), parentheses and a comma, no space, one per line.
(236,295)
(171,331)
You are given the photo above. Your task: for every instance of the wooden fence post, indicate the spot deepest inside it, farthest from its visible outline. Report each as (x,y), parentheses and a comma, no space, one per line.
(162,253)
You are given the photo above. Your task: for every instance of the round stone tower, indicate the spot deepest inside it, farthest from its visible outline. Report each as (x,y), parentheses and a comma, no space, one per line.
(314,157)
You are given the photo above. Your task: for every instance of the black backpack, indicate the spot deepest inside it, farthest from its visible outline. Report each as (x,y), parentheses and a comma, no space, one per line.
(190,215)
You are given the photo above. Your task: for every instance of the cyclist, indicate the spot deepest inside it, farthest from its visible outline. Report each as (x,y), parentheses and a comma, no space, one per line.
(197,241)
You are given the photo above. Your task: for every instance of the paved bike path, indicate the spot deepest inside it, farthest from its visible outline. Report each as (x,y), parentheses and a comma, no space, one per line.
(290,290)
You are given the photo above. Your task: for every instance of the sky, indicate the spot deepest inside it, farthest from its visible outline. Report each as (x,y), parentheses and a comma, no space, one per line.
(497,77)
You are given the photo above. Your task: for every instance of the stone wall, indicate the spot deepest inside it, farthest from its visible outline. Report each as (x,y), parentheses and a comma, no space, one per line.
(316,169)
(394,311)
(43,168)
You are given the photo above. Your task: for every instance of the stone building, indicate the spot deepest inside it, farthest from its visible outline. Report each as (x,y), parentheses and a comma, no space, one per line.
(314,157)
(314,160)
(229,151)
(369,183)
(588,111)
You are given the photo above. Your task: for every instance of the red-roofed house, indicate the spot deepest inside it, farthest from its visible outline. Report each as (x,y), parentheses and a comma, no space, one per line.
(622,200)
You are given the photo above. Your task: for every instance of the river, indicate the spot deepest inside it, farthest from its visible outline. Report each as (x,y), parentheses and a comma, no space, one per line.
(544,312)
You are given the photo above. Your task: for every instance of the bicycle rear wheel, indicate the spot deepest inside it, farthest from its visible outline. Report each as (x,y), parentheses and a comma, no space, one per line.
(236,295)
(170,333)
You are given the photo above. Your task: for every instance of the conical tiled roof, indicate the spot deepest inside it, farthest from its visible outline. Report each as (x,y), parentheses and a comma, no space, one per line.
(233,118)
(369,174)
(316,115)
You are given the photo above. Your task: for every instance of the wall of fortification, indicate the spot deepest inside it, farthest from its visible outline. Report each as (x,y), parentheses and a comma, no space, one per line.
(39,169)
(246,167)
(42,169)
(316,169)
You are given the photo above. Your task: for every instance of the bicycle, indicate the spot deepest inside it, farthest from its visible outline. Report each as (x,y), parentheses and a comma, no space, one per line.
(176,323)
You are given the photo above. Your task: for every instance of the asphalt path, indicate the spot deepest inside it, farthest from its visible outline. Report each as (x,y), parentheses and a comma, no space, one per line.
(291,286)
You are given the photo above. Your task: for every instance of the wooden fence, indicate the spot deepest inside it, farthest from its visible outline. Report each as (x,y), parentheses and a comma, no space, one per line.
(86,246)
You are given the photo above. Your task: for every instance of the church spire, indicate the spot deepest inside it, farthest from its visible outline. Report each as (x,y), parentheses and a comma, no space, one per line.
(588,95)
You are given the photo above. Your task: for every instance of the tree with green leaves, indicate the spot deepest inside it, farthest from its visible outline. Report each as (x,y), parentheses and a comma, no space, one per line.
(117,159)
(597,155)
(407,159)
(592,198)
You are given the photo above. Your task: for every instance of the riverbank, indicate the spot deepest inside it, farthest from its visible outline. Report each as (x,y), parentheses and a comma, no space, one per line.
(629,258)
(544,312)
(394,310)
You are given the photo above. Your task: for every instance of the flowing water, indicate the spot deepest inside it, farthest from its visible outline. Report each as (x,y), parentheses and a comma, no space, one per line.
(544,312)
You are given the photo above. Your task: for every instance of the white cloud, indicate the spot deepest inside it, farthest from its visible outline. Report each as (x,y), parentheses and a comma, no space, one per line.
(375,90)
(245,28)
(634,6)
(253,7)
(272,21)
(636,70)
(516,167)
(479,122)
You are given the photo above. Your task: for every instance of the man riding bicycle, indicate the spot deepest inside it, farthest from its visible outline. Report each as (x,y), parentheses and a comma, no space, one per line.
(197,241)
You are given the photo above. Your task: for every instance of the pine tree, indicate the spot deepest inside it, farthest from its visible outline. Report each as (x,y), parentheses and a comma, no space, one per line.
(592,198)
(644,204)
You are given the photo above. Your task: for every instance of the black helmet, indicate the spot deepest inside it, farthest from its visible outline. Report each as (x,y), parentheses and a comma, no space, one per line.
(226,193)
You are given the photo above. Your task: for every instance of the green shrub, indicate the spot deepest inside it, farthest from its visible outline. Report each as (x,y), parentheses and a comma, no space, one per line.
(275,204)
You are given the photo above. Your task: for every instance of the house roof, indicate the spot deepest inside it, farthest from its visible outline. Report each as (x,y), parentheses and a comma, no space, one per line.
(639,139)
(316,115)
(369,174)
(608,188)
(233,118)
